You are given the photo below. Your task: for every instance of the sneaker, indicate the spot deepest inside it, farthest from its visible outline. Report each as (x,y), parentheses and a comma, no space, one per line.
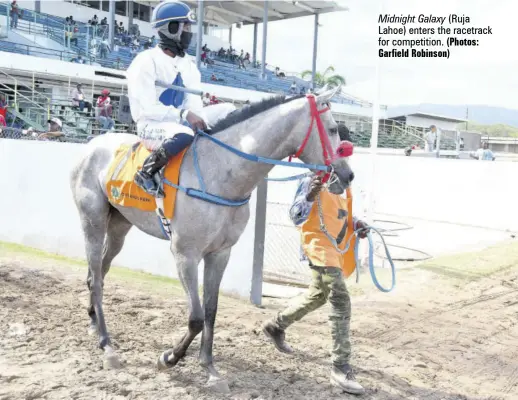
(343,377)
(277,335)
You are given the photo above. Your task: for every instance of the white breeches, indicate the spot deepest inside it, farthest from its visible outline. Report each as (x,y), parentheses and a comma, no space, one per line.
(153,133)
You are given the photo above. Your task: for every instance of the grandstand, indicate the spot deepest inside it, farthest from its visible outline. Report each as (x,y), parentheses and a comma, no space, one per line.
(42,70)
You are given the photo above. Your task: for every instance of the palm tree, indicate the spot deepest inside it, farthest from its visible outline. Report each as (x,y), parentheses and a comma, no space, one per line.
(325,79)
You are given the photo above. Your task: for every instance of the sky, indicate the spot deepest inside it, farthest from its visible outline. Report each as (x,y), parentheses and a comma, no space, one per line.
(486,74)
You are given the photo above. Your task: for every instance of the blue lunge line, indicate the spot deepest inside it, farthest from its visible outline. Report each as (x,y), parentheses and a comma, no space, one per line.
(371,259)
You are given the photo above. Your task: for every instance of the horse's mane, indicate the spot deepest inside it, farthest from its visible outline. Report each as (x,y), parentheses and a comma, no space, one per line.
(250,111)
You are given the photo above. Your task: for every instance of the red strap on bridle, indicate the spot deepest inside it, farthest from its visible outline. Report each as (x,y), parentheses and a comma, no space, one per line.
(327,150)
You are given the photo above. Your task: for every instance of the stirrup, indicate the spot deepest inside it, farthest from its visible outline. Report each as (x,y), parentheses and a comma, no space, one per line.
(149,185)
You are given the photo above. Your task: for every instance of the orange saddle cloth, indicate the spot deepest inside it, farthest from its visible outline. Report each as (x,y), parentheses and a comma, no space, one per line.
(123,191)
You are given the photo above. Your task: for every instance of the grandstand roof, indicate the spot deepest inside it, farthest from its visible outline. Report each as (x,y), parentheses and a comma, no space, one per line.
(250,12)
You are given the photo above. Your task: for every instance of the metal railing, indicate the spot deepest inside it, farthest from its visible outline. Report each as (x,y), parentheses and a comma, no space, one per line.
(37,51)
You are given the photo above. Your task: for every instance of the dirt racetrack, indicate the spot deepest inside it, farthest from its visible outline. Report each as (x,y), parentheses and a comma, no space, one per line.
(448,331)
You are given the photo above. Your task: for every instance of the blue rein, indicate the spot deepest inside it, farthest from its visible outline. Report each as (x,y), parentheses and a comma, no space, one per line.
(202,193)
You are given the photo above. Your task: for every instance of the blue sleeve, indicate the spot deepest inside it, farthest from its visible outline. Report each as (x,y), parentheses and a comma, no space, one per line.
(301,207)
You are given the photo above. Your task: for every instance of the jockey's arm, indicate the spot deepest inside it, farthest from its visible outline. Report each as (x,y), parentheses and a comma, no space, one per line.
(142,93)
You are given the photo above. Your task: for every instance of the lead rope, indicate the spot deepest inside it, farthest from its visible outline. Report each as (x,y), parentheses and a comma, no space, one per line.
(371,250)
(328,235)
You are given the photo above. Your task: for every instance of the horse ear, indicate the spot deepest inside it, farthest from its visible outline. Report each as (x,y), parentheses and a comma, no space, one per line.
(326,96)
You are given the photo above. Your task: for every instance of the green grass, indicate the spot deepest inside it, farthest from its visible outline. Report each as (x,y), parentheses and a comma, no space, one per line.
(475,265)
(12,249)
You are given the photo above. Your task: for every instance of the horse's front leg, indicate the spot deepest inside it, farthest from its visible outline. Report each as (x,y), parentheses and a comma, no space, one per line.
(215,264)
(188,272)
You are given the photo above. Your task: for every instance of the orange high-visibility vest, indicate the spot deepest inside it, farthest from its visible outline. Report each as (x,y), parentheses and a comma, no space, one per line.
(338,219)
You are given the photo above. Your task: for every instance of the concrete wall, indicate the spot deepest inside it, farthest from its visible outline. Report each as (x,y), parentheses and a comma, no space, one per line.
(426,122)
(37,210)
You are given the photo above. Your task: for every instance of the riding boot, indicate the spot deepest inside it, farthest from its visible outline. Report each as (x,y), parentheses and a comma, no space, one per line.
(145,178)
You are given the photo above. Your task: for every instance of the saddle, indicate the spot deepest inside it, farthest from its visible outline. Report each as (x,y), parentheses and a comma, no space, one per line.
(122,190)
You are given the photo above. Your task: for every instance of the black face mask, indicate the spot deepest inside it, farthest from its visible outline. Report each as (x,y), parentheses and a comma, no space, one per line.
(185,39)
(178,48)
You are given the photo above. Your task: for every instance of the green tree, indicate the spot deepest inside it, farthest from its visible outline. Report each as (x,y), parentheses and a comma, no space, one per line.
(322,79)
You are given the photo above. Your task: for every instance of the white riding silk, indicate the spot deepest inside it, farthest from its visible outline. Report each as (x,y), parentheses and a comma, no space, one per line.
(154,108)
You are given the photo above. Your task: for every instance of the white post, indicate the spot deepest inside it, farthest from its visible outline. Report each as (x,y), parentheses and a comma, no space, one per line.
(371,184)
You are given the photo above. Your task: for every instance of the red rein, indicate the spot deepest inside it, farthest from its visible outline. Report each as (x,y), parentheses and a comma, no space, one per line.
(344,150)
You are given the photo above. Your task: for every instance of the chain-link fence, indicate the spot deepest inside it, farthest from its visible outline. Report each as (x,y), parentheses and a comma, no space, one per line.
(282,248)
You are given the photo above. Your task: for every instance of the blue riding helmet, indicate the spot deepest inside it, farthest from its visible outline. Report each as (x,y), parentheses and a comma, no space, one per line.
(170,19)
(171,11)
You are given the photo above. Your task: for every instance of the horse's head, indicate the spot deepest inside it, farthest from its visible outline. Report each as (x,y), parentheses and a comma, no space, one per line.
(319,142)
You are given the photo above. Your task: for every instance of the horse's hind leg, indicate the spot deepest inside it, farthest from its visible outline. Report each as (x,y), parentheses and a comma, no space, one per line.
(188,272)
(215,264)
(118,228)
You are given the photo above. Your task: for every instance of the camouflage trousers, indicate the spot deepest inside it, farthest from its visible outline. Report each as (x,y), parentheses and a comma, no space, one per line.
(327,284)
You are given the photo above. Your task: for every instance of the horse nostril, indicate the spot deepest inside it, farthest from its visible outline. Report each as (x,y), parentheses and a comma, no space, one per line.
(351,177)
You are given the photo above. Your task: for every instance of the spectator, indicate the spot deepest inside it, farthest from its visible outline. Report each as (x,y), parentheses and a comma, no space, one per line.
(121,28)
(293,88)
(461,144)
(104,21)
(206,100)
(483,154)
(3,109)
(213,77)
(104,48)
(74,33)
(15,11)
(241,60)
(95,20)
(55,129)
(78,60)
(431,137)
(2,121)
(302,90)
(78,99)
(214,100)
(105,111)
(117,64)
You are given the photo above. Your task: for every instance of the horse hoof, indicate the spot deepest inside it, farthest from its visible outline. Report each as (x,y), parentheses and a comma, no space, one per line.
(92,329)
(111,360)
(166,360)
(218,385)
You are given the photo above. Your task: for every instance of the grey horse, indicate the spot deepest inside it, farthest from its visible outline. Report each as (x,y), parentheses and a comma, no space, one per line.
(274,128)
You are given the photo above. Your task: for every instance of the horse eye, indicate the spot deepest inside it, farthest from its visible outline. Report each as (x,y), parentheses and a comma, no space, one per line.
(333,131)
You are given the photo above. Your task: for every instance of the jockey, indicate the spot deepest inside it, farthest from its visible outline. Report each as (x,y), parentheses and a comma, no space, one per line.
(166,118)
